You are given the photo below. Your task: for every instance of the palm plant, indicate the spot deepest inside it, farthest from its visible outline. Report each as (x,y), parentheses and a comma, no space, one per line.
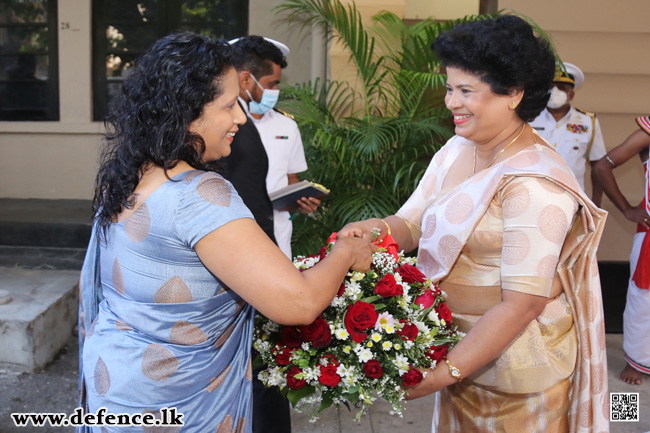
(371,144)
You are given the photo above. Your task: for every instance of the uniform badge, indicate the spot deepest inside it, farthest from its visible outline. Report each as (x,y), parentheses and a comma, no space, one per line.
(577,128)
(281,137)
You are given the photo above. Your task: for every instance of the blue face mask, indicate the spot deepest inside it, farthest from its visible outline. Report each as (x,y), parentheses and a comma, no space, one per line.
(269,98)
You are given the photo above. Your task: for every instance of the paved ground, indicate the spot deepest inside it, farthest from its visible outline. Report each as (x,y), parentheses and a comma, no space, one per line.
(54,389)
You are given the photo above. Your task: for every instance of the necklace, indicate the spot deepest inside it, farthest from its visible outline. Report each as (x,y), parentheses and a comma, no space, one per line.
(500,152)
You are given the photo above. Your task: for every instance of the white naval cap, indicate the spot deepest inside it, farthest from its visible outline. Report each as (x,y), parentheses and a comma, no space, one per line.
(573,75)
(285,50)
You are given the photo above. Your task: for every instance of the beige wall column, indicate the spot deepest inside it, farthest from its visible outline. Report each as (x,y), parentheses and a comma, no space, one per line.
(75,59)
(605,40)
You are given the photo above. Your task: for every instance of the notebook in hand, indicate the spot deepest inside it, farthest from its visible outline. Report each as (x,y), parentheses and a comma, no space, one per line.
(286,199)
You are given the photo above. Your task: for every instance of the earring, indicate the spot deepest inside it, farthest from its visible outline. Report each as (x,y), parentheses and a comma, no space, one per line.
(513,105)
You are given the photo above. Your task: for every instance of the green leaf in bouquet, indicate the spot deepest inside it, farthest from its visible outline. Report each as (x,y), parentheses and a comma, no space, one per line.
(325,402)
(295,395)
(379,307)
(303,363)
(371,299)
(352,397)
(258,363)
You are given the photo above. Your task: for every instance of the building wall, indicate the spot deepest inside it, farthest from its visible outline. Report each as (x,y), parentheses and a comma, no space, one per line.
(603,38)
(59,160)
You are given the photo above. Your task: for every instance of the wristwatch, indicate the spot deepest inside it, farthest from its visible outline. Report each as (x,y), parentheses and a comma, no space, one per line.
(455,372)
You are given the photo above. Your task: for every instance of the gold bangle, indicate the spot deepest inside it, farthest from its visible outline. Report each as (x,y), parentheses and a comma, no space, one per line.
(387,226)
(455,372)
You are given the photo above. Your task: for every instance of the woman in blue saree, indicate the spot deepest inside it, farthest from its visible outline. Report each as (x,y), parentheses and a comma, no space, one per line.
(176,264)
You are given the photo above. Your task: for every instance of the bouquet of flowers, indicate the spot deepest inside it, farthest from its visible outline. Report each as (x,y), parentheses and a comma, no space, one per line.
(381,333)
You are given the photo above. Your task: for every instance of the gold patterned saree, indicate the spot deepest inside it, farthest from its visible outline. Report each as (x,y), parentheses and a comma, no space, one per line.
(522,225)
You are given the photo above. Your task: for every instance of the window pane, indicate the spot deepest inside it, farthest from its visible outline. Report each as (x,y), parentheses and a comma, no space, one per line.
(25,11)
(126,28)
(28,81)
(220,19)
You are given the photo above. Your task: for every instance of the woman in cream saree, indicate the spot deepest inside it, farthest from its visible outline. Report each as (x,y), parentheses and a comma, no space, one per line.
(504,229)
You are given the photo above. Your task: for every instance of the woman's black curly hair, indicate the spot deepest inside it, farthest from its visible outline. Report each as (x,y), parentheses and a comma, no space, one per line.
(148,123)
(504,53)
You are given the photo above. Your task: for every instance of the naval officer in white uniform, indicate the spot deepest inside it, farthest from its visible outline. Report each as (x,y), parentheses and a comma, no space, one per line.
(575,134)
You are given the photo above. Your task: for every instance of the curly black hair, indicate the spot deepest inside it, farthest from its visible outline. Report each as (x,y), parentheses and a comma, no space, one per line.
(504,53)
(256,55)
(148,123)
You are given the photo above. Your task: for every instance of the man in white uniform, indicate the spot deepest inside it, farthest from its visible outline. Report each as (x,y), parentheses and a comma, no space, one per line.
(574,134)
(259,62)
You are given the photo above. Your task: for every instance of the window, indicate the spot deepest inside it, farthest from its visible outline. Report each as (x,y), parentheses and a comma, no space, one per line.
(29,85)
(124,29)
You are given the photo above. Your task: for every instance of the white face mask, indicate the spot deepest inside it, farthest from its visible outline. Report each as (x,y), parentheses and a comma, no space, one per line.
(558,98)
(269,98)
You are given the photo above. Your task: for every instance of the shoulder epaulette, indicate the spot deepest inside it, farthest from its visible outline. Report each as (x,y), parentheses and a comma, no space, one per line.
(284,113)
(586,113)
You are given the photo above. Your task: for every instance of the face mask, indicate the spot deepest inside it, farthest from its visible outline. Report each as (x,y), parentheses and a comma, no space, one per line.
(558,98)
(269,98)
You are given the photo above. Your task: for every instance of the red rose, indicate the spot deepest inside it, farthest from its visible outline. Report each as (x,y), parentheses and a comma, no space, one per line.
(436,353)
(411,274)
(291,337)
(389,244)
(341,289)
(426,299)
(332,238)
(322,253)
(282,355)
(409,331)
(328,375)
(444,313)
(318,332)
(373,369)
(359,317)
(388,287)
(292,382)
(412,377)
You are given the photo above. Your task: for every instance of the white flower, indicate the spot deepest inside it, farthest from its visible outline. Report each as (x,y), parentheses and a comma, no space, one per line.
(408,344)
(398,346)
(376,337)
(305,346)
(386,345)
(357,276)
(352,290)
(347,349)
(390,329)
(341,334)
(311,375)
(272,377)
(383,320)
(402,363)
(364,355)
(338,302)
(422,327)
(433,315)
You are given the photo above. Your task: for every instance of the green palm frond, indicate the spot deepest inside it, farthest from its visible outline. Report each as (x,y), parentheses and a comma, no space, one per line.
(348,28)
(371,145)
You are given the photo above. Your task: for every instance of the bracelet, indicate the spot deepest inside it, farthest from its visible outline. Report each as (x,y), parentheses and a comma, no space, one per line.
(610,161)
(387,226)
(455,372)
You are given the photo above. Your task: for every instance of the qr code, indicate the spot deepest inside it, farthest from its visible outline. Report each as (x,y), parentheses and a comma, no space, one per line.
(624,406)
